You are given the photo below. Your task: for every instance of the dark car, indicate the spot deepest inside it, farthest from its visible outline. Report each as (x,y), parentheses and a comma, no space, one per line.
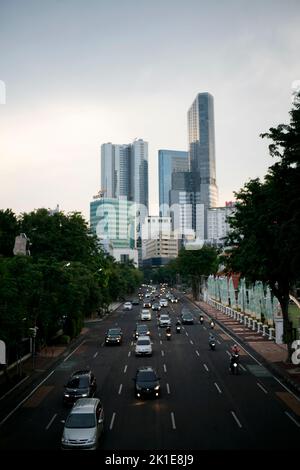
(187,318)
(146,383)
(156,307)
(81,384)
(114,336)
(141,330)
(135,301)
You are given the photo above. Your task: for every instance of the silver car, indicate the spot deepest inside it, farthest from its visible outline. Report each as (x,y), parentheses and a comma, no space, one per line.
(84,425)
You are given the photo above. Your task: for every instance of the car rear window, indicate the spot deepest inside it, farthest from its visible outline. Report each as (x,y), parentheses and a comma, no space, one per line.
(143,342)
(81,420)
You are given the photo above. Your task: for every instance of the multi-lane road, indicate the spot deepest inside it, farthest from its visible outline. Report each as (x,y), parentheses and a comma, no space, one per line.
(202,406)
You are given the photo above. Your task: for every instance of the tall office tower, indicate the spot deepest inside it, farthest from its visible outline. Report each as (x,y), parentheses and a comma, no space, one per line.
(139,172)
(169,161)
(181,200)
(201,136)
(108,169)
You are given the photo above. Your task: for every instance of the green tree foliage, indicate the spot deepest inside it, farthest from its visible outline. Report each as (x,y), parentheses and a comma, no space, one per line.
(9,228)
(266,225)
(193,264)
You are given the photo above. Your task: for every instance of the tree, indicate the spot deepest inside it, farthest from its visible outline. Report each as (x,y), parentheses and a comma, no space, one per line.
(193,264)
(266,225)
(9,228)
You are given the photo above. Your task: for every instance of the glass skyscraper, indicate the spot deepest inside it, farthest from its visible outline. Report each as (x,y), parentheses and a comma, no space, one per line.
(202,163)
(169,161)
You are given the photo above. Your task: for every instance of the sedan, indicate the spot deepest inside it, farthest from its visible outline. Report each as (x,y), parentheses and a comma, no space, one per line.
(187,318)
(82,384)
(146,383)
(128,306)
(114,336)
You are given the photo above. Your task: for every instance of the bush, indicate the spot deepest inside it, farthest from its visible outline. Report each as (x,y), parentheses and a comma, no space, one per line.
(64,339)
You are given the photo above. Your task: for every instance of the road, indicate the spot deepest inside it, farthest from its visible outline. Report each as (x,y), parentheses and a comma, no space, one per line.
(202,406)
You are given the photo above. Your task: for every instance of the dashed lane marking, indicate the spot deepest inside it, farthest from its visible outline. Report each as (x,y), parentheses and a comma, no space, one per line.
(120,389)
(112,421)
(205,367)
(125,369)
(236,419)
(51,421)
(173,420)
(261,387)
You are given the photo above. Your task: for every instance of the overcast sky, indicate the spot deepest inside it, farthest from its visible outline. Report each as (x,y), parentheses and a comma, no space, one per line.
(79,73)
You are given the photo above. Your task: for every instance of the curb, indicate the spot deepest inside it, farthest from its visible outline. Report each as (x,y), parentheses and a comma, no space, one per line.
(273,368)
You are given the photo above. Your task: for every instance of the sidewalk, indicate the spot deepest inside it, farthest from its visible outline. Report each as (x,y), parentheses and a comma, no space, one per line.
(271,354)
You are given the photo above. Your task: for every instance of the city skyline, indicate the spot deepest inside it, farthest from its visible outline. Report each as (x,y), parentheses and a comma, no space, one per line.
(65,94)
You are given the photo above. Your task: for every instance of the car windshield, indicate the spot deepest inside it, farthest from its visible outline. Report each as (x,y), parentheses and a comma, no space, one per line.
(141,328)
(81,420)
(115,331)
(143,342)
(146,376)
(79,382)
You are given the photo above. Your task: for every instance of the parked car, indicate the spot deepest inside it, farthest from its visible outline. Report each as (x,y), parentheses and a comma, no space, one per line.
(114,336)
(84,425)
(146,383)
(128,306)
(81,384)
(143,346)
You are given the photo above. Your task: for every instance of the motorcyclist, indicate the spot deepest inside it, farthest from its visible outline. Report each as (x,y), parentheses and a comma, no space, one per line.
(235,349)
(211,337)
(212,324)
(168,330)
(201,318)
(178,323)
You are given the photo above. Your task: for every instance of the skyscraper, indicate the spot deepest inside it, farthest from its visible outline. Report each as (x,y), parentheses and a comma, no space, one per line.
(201,136)
(169,161)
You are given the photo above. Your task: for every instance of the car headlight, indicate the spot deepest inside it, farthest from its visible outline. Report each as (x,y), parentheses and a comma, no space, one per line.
(64,440)
(66,395)
(157,387)
(84,395)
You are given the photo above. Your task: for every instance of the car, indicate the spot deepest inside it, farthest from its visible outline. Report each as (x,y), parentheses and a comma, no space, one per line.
(84,425)
(114,336)
(174,299)
(164,320)
(145,314)
(128,306)
(187,318)
(147,304)
(146,383)
(143,346)
(141,330)
(156,307)
(81,384)
(135,301)
(164,302)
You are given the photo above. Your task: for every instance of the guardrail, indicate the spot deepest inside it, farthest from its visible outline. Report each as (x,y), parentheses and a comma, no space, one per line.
(248,321)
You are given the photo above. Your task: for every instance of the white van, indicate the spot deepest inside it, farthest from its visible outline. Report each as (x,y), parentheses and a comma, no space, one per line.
(143,346)
(145,314)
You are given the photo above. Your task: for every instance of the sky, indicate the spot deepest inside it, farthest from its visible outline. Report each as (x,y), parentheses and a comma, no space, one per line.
(78,73)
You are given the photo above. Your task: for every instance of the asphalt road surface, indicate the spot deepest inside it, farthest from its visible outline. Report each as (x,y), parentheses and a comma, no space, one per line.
(202,406)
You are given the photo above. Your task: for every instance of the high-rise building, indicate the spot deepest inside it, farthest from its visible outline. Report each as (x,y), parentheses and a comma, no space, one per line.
(124,171)
(169,161)
(217,223)
(202,164)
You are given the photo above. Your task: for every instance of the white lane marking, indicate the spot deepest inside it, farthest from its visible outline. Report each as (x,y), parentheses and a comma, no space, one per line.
(173,420)
(219,342)
(191,341)
(125,368)
(129,354)
(96,354)
(120,389)
(197,352)
(227,352)
(168,389)
(204,328)
(260,386)
(165,368)
(131,343)
(51,421)
(295,396)
(66,358)
(112,421)
(26,398)
(242,367)
(218,388)
(292,418)
(159,334)
(160,341)
(186,333)
(236,419)
(12,389)
(162,353)
(205,367)
(102,344)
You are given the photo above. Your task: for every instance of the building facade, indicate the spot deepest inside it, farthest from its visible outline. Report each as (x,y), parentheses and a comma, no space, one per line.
(217,223)
(169,161)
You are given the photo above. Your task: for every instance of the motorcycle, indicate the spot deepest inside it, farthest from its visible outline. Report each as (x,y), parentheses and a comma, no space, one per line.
(212,345)
(234,364)
(212,325)
(178,329)
(201,319)
(168,336)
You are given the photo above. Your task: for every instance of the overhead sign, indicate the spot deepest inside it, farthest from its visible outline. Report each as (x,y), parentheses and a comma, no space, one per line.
(2,352)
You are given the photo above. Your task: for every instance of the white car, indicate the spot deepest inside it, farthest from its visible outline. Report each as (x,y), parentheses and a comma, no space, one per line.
(163,302)
(164,320)
(128,306)
(143,346)
(145,314)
